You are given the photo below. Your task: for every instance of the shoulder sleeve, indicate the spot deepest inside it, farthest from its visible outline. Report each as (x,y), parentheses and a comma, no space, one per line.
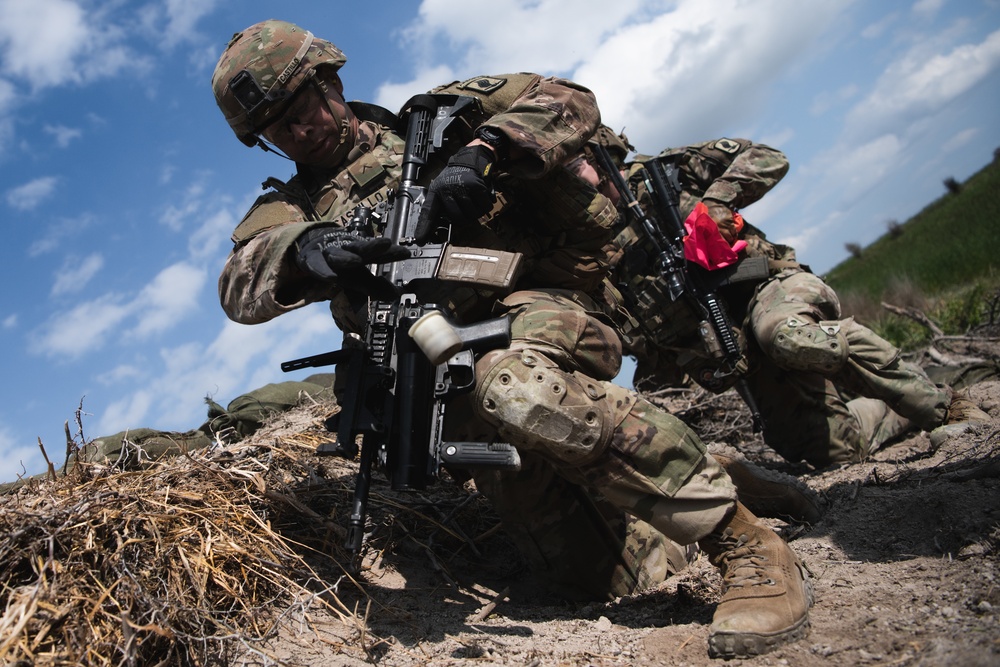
(260,279)
(751,171)
(548,118)
(497,93)
(270,210)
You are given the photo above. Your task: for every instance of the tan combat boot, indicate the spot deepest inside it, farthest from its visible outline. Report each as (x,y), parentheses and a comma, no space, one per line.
(963,414)
(765,591)
(768,492)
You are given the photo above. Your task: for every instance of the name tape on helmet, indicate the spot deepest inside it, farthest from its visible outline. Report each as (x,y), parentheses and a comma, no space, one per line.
(296,60)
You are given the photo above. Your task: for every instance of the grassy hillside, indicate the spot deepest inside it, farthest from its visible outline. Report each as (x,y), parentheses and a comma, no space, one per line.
(950,244)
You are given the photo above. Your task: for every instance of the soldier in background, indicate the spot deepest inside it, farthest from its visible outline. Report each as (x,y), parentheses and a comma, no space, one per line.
(551,392)
(830,390)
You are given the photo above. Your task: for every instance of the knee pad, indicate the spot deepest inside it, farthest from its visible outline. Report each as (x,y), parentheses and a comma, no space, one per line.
(538,406)
(800,345)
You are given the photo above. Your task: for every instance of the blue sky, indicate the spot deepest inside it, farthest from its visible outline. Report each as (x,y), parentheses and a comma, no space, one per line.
(120,182)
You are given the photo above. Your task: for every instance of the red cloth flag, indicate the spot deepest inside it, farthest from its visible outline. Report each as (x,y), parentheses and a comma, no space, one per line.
(704,244)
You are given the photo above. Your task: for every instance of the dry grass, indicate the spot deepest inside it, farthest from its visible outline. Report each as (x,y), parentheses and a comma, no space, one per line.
(176,564)
(212,557)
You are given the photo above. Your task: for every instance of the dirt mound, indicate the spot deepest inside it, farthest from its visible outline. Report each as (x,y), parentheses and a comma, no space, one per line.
(234,556)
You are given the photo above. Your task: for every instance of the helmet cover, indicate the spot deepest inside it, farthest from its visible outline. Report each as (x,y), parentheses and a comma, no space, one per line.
(261,70)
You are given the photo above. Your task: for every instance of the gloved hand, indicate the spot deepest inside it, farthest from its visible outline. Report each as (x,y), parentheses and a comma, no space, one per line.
(463,191)
(329,252)
(730,222)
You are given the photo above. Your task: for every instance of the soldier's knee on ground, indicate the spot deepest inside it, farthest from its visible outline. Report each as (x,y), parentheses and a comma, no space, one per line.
(541,407)
(802,345)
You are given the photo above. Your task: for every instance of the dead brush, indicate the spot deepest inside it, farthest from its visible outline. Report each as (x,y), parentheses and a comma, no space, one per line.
(207,558)
(174,564)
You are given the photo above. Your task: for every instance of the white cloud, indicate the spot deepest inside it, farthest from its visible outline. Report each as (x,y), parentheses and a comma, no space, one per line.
(175,21)
(860,168)
(10,321)
(960,139)
(918,84)
(57,234)
(207,241)
(879,28)
(394,95)
(28,196)
(517,35)
(131,410)
(121,373)
(663,79)
(63,135)
(27,32)
(88,46)
(167,174)
(81,329)
(76,273)
(8,95)
(183,16)
(18,458)
(659,69)
(826,100)
(168,299)
(164,303)
(176,216)
(239,359)
(927,8)
(777,139)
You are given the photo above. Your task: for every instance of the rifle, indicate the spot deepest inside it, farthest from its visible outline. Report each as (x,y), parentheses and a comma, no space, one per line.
(683,279)
(412,359)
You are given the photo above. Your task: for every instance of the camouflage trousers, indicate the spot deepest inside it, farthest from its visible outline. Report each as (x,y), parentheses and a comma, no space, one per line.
(842,402)
(609,480)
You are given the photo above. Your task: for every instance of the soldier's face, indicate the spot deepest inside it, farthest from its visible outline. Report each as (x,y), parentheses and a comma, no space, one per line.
(317,129)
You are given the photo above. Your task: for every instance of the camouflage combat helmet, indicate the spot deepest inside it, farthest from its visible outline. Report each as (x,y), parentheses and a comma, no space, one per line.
(617,144)
(262,68)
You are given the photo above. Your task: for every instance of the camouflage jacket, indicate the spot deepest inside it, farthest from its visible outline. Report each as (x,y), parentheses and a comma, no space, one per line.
(559,223)
(727,174)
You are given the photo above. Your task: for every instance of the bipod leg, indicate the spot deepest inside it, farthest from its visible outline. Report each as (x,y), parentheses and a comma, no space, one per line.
(359,509)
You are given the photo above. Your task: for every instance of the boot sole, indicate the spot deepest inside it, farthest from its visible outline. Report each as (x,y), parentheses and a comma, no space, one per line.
(727,645)
(743,645)
(767,492)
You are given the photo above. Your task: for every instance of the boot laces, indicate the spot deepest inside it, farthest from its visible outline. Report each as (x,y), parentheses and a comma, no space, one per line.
(744,564)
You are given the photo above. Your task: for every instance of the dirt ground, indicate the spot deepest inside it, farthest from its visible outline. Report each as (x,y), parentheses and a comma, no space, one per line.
(115,567)
(904,565)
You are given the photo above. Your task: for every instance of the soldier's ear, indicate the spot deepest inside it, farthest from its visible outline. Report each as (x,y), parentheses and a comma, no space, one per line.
(338,85)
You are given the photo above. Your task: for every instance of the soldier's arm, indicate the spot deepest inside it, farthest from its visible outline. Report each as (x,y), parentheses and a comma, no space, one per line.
(544,120)
(260,279)
(728,175)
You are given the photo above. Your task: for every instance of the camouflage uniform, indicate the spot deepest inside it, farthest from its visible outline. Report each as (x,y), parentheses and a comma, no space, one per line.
(561,226)
(550,393)
(830,390)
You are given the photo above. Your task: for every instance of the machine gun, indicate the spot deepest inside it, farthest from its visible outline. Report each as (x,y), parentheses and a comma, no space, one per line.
(685,280)
(399,375)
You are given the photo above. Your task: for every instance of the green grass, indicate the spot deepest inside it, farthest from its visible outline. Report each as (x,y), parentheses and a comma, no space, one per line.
(953,242)
(943,261)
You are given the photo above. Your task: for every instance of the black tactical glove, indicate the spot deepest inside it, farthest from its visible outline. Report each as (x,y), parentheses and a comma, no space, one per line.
(463,191)
(329,252)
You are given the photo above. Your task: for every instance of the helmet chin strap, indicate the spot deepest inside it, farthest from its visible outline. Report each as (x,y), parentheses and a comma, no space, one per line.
(343,121)
(271,148)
